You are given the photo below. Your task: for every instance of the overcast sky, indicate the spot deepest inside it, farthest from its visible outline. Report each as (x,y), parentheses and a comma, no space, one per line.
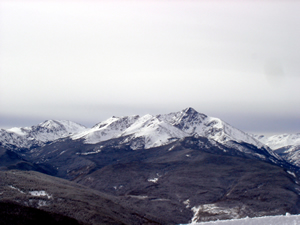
(88,60)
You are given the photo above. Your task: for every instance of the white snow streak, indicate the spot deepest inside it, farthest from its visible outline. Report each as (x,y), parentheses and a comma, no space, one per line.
(154,180)
(187,203)
(293,174)
(40,193)
(266,220)
(12,187)
(89,153)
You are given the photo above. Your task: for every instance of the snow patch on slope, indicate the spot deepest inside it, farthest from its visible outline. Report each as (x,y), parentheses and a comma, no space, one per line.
(214,209)
(40,194)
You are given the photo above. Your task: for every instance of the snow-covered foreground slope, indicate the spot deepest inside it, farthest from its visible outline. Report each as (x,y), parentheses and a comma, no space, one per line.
(153,131)
(266,220)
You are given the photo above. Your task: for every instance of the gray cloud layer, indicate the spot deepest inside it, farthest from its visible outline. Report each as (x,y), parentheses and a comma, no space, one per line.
(86,61)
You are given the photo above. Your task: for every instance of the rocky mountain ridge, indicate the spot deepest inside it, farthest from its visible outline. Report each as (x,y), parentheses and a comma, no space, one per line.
(155,130)
(164,129)
(178,167)
(285,145)
(34,136)
(139,132)
(280,140)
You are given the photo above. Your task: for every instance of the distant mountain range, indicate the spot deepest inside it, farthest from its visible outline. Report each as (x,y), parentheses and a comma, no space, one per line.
(176,168)
(285,145)
(144,132)
(28,137)
(155,130)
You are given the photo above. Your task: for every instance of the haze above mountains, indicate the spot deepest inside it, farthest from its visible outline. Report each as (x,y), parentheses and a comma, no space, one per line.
(100,58)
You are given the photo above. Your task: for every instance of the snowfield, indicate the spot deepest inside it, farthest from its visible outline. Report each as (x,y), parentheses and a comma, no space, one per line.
(279,141)
(266,220)
(163,129)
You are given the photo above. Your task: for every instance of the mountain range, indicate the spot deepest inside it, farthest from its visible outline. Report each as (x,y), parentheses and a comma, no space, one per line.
(285,145)
(173,168)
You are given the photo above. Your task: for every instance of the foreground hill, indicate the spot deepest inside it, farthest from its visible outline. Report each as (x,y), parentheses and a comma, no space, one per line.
(194,179)
(185,181)
(14,213)
(59,201)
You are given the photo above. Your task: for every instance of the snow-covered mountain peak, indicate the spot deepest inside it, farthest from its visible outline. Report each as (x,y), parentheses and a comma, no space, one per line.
(189,120)
(192,122)
(48,130)
(165,128)
(105,122)
(152,130)
(182,117)
(60,124)
(49,124)
(17,130)
(108,129)
(124,121)
(279,141)
(56,128)
(192,113)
